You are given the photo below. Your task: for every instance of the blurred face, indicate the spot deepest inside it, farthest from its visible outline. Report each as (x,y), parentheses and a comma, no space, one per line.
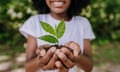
(58,6)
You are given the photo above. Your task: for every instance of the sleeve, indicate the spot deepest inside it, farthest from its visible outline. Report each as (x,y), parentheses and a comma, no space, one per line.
(87,31)
(28,28)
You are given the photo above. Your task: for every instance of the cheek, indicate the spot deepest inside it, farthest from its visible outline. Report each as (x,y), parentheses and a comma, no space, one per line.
(47,3)
(68,3)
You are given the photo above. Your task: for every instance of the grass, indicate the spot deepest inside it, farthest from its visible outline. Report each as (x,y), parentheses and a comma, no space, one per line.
(11,51)
(107,53)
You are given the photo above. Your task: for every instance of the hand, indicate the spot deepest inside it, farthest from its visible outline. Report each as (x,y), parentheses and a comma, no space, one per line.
(47,58)
(75,47)
(51,63)
(54,63)
(65,57)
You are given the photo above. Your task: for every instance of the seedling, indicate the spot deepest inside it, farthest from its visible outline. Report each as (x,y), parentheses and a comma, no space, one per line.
(54,33)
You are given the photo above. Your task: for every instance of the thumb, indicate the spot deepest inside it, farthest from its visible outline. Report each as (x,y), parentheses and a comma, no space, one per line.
(38,51)
(76,48)
(60,67)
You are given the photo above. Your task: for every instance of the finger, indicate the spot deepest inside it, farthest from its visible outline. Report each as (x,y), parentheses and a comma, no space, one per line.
(41,47)
(60,67)
(68,53)
(76,48)
(67,48)
(38,51)
(48,55)
(67,62)
(67,45)
(42,52)
(51,64)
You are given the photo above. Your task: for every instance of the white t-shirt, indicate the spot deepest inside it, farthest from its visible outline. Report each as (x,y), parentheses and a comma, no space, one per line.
(77,29)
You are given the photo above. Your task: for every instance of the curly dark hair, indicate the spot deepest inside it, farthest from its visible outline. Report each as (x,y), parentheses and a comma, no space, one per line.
(74,9)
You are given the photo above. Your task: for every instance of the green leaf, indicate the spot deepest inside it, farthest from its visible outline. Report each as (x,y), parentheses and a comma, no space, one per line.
(49,38)
(60,29)
(47,27)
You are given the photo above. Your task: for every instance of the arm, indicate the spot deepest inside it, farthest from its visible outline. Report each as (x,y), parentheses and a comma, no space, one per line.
(31,59)
(85,61)
(82,61)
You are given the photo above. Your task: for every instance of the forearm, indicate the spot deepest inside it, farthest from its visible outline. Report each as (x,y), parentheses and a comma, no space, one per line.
(85,63)
(32,65)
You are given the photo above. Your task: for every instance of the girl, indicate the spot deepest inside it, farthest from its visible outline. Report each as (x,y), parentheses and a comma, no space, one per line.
(77,37)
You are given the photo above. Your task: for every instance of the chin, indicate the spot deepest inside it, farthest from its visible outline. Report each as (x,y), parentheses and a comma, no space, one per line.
(59,11)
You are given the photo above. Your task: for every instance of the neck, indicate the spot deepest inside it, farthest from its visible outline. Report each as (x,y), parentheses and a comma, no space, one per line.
(60,16)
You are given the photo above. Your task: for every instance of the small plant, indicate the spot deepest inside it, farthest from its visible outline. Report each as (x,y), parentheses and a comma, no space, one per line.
(54,33)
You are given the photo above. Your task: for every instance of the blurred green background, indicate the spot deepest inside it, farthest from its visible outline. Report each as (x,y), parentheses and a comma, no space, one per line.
(104,16)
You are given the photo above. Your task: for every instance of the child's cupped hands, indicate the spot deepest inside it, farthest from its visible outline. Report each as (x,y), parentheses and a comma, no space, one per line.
(63,58)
